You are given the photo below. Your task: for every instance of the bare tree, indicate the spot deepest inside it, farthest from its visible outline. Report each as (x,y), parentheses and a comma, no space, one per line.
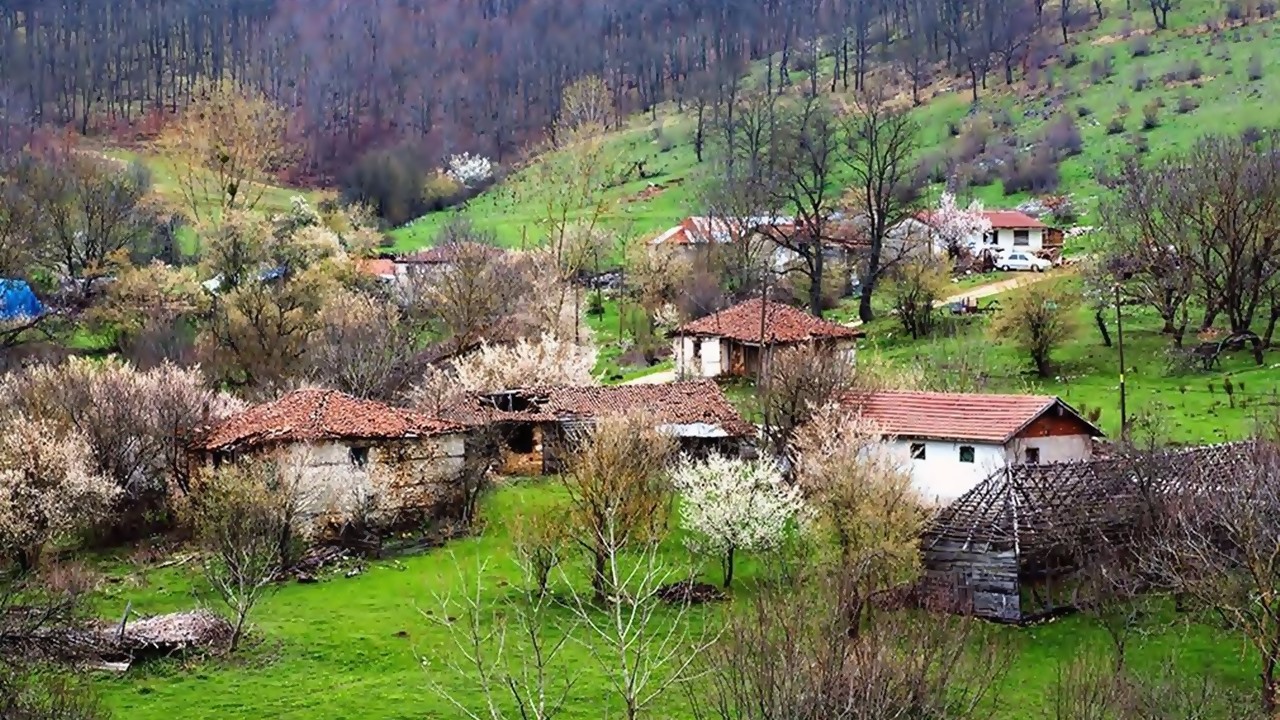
(802,381)
(883,142)
(1222,553)
(916,287)
(617,493)
(644,648)
(363,347)
(247,516)
(509,649)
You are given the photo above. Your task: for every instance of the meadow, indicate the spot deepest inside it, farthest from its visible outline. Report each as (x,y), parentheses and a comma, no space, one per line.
(372,645)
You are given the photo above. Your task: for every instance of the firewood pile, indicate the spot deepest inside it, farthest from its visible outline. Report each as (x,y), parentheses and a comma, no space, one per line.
(164,634)
(689,592)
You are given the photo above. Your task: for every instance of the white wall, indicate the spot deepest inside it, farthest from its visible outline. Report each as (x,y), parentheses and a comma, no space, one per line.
(698,357)
(1004,239)
(712,357)
(940,477)
(1053,449)
(682,349)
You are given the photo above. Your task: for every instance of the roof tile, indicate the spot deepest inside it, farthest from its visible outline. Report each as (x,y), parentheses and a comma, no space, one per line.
(783,324)
(953,416)
(309,415)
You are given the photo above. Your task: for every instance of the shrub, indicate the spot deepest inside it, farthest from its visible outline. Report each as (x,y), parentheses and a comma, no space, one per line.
(1251,135)
(1186,104)
(1116,126)
(1140,79)
(1255,68)
(1140,46)
(1194,71)
(1103,67)
(1072,59)
(1083,111)
(1235,12)
(1151,115)
(1139,143)
(953,128)
(1063,137)
(1035,173)
(469,170)
(390,181)
(1266,8)
(1002,119)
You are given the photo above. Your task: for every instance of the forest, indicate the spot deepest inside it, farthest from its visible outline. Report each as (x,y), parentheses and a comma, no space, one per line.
(432,78)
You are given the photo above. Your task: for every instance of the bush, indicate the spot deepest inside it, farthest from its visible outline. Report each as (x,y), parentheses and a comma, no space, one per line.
(1255,68)
(1140,79)
(1194,71)
(1251,135)
(1151,115)
(1139,143)
(1116,126)
(1063,137)
(1235,12)
(390,181)
(1140,46)
(1072,59)
(1186,104)
(1002,120)
(1036,173)
(1083,111)
(1102,68)
(1266,8)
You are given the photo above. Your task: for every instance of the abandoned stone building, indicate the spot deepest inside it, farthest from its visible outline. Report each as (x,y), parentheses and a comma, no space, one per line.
(343,450)
(535,426)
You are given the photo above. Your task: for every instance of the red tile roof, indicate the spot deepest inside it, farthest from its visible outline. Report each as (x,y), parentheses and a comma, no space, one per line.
(377,266)
(1012,220)
(678,403)
(956,416)
(783,324)
(311,415)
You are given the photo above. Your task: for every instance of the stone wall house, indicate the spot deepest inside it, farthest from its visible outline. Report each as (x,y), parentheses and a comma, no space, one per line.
(732,341)
(344,451)
(535,427)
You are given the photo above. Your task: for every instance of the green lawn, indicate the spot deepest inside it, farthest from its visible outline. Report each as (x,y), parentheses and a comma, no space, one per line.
(362,648)
(1192,404)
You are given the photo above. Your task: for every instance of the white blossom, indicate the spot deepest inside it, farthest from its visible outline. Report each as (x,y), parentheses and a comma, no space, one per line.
(469,170)
(956,226)
(729,504)
(548,360)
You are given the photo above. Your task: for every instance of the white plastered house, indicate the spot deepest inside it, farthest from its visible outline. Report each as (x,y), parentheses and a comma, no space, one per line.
(950,442)
(1010,230)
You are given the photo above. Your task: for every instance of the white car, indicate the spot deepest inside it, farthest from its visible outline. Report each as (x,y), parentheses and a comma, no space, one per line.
(1021,260)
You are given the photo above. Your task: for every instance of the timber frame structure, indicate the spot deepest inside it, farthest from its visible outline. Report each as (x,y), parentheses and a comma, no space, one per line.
(1006,550)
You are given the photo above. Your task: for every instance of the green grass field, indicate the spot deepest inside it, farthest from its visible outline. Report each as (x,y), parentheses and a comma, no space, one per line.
(364,648)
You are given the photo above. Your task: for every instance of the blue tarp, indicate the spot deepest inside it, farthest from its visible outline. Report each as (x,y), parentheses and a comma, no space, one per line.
(17,300)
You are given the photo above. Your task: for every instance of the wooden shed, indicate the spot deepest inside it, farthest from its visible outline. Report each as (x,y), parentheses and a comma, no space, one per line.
(1007,549)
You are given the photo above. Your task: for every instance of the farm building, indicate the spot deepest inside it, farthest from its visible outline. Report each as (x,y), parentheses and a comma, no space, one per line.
(342,447)
(732,341)
(535,426)
(1008,548)
(442,257)
(952,441)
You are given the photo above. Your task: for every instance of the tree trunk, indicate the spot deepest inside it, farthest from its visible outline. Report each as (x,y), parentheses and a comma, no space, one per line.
(728,568)
(1102,328)
(1269,684)
(815,284)
(597,575)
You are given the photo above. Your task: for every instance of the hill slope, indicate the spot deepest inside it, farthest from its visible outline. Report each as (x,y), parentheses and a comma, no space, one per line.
(1202,74)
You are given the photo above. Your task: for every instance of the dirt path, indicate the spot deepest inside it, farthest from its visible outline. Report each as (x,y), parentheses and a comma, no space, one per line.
(658,378)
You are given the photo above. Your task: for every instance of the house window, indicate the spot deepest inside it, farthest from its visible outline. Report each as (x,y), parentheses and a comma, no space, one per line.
(917,451)
(359,456)
(1022,237)
(990,238)
(966,453)
(1032,456)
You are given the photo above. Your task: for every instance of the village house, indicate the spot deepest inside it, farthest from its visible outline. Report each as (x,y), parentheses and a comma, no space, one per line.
(341,449)
(535,426)
(952,441)
(1010,230)
(440,258)
(1010,548)
(731,342)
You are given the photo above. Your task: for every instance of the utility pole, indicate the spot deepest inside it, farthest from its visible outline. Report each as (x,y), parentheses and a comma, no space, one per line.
(1124,419)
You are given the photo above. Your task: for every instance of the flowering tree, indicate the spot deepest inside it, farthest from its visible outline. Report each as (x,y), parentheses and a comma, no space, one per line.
(48,487)
(547,360)
(730,505)
(469,170)
(955,226)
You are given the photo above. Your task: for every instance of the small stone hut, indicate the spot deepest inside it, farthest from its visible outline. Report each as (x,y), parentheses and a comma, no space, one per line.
(534,426)
(343,448)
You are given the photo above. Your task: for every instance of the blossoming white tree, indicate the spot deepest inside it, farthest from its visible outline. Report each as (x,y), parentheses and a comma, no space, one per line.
(957,226)
(730,505)
(48,487)
(469,170)
(547,360)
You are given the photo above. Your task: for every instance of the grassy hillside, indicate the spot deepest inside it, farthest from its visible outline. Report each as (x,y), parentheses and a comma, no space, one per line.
(1206,75)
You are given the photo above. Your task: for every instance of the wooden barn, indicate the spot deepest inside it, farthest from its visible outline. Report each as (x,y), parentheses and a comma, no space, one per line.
(1007,549)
